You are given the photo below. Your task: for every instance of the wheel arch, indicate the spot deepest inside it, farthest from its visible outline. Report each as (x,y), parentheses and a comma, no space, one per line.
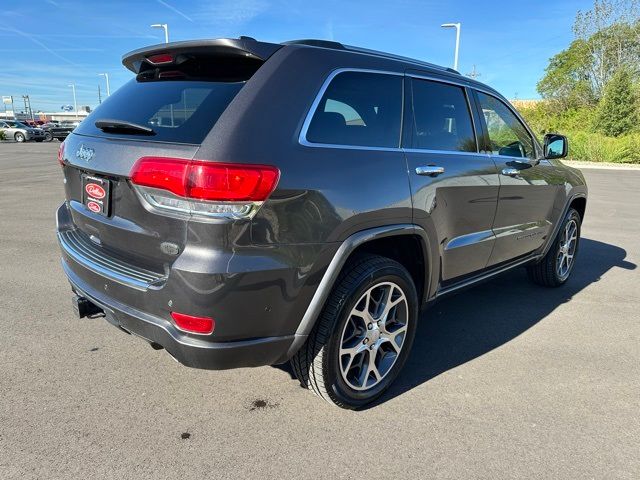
(578,200)
(580,204)
(372,240)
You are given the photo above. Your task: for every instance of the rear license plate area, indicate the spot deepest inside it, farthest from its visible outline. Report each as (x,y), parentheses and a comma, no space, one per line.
(96,194)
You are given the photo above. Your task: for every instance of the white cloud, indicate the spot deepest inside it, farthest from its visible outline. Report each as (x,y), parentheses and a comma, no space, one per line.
(175,10)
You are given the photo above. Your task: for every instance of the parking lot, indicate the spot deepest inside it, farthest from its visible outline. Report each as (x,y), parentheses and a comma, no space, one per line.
(507,380)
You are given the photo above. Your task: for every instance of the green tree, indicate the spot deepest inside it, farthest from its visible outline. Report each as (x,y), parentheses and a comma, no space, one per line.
(607,39)
(566,80)
(617,111)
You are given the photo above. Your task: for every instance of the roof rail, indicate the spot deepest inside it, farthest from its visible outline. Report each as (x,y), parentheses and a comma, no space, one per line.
(393,56)
(316,43)
(377,53)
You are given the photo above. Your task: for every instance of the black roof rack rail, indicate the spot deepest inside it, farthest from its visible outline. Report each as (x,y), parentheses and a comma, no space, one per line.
(393,56)
(339,46)
(316,43)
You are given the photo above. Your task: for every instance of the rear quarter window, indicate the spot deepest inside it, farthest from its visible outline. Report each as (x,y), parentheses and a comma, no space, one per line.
(359,109)
(178,111)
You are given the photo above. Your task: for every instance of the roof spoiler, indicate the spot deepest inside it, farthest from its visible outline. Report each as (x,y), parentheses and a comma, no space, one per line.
(243,47)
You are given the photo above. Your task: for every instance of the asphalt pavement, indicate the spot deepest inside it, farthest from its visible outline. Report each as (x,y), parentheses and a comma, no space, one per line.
(506,380)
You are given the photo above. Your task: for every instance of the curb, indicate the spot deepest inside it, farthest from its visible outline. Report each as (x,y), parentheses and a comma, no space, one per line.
(603,165)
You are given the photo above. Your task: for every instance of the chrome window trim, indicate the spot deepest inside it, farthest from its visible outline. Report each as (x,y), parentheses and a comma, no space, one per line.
(302,138)
(445,152)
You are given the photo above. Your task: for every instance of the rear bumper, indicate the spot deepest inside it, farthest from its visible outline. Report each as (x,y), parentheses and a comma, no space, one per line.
(190,351)
(257,298)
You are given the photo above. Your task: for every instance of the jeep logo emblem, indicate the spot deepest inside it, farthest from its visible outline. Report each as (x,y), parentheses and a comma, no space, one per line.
(85,153)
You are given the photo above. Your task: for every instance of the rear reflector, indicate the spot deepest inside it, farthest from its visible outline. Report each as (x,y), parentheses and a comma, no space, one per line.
(191,324)
(209,181)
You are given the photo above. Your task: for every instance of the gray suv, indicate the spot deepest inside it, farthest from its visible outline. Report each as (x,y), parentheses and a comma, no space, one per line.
(241,203)
(20,132)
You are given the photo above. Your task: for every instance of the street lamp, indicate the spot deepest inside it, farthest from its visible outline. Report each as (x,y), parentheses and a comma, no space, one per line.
(75,103)
(106,76)
(166,30)
(457,27)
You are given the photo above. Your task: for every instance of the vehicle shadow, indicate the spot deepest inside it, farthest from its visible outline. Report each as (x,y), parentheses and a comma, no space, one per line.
(462,327)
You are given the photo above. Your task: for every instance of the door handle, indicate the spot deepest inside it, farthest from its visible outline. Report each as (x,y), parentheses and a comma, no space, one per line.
(429,170)
(510,172)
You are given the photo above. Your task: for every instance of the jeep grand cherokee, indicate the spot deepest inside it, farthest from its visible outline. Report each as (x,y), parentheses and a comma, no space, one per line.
(241,203)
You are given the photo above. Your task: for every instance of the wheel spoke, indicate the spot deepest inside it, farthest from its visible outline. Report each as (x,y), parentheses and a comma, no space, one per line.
(373,369)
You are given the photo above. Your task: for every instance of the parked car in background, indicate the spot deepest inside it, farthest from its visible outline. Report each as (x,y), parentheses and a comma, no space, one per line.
(18,131)
(241,233)
(57,131)
(70,123)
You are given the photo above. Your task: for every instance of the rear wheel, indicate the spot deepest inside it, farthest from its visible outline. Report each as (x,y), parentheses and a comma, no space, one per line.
(556,267)
(363,336)
(48,136)
(19,137)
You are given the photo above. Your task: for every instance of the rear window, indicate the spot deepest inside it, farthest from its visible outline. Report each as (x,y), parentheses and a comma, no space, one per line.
(359,109)
(178,111)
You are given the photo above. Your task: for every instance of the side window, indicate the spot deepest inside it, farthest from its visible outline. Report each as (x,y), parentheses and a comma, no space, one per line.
(507,135)
(441,118)
(359,109)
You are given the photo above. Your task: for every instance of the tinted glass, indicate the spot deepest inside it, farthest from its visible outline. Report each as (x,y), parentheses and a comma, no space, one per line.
(507,134)
(360,109)
(441,118)
(177,111)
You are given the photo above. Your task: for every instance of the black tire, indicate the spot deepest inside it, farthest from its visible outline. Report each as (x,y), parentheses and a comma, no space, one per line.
(546,272)
(48,136)
(317,363)
(19,137)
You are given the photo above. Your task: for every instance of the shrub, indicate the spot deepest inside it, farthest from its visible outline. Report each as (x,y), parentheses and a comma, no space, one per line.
(2,135)
(617,110)
(595,147)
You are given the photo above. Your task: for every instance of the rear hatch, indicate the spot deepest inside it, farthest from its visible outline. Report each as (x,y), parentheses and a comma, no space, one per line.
(178,94)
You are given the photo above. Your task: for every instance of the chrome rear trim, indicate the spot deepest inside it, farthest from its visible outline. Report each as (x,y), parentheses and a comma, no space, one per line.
(94,258)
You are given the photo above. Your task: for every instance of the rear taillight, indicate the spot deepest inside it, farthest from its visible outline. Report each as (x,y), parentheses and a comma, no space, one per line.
(61,154)
(203,189)
(191,324)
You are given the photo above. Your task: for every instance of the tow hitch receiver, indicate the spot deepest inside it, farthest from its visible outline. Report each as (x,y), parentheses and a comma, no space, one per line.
(84,308)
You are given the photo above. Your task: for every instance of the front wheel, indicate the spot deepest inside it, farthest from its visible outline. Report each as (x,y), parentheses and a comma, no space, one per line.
(363,336)
(48,136)
(556,266)
(19,137)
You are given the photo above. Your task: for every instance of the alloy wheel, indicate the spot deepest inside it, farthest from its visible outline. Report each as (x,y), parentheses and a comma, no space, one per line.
(567,249)
(373,336)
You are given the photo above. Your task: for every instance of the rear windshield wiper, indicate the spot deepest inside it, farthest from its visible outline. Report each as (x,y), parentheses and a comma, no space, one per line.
(122,126)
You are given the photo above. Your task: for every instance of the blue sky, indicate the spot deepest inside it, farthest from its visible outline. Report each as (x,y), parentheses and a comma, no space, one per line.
(47,44)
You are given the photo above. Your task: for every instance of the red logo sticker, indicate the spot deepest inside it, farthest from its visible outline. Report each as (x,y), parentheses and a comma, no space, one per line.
(95,190)
(94,207)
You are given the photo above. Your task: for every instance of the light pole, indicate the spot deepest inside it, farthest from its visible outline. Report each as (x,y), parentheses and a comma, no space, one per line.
(166,30)
(106,76)
(75,103)
(457,27)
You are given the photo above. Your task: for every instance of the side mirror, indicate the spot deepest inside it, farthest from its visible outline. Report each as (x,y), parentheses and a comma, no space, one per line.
(555,146)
